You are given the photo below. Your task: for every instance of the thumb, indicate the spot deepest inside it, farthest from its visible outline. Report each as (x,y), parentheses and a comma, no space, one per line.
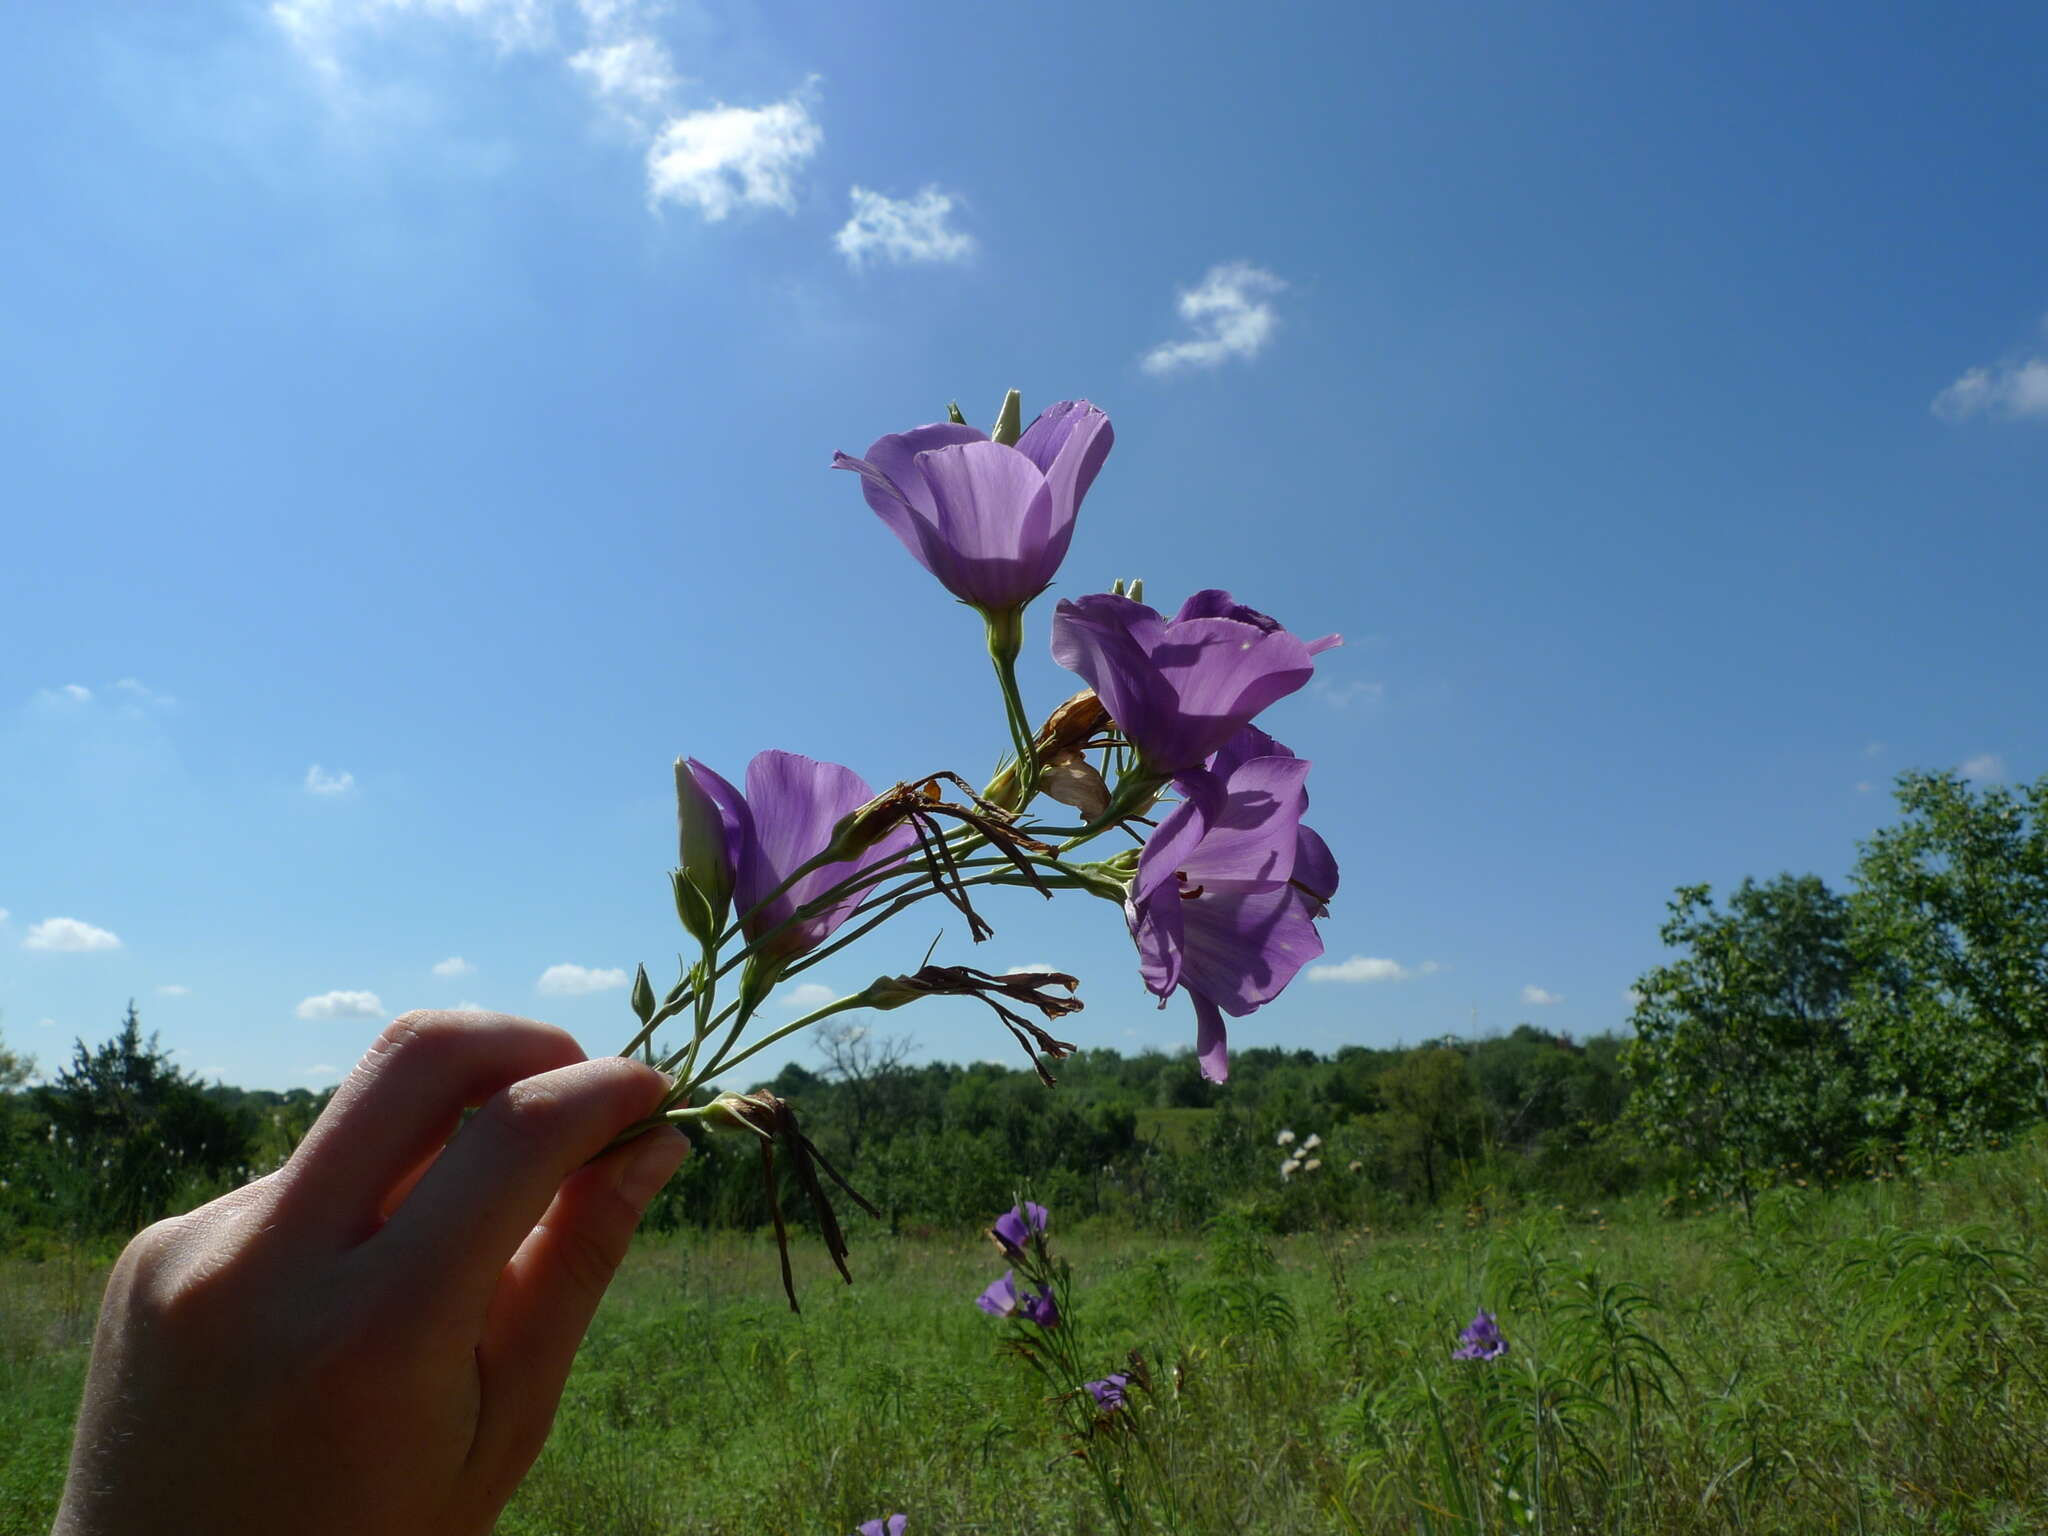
(545,1298)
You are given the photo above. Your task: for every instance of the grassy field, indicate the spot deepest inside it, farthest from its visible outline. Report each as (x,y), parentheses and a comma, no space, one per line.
(1870,1361)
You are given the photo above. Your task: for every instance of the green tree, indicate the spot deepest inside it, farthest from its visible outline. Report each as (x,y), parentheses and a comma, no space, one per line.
(1950,931)
(1432,1115)
(1742,1059)
(140,1128)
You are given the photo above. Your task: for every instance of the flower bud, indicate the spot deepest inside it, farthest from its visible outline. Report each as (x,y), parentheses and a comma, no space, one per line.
(643,995)
(954,414)
(704,880)
(1010,423)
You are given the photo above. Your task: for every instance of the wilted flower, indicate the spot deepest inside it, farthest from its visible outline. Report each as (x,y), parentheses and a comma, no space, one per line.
(991,521)
(1228,890)
(1015,1227)
(1284,1139)
(893,1526)
(1003,1299)
(1109,1392)
(1180,689)
(1481,1339)
(786,819)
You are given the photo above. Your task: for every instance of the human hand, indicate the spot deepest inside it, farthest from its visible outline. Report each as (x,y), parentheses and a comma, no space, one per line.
(374,1337)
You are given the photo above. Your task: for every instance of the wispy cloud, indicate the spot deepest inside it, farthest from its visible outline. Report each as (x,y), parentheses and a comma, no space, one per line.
(715,160)
(1540,997)
(2015,389)
(330,785)
(69,935)
(804,996)
(454,965)
(3,916)
(1228,312)
(723,158)
(173,989)
(901,230)
(578,980)
(340,1004)
(138,696)
(1985,767)
(65,696)
(1370,968)
(317,1071)
(1357,692)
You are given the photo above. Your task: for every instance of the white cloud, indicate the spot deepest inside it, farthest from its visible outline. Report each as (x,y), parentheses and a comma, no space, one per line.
(139,697)
(319,1069)
(319,28)
(69,696)
(3,914)
(722,158)
(632,77)
(578,980)
(1540,997)
(454,965)
(1229,315)
(2007,391)
(901,230)
(46,1023)
(173,989)
(471,1008)
(340,1005)
(805,996)
(1344,695)
(320,782)
(1036,967)
(1985,766)
(1370,968)
(68,934)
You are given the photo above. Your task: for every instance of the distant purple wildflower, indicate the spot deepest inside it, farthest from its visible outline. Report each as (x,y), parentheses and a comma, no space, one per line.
(1003,1299)
(1481,1339)
(1180,688)
(1013,1229)
(893,1526)
(991,521)
(1109,1392)
(783,821)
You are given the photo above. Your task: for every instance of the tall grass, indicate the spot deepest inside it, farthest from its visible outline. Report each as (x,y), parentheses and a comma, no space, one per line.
(1870,1360)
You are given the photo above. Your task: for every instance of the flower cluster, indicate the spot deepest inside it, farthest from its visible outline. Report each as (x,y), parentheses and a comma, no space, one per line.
(895,1525)
(1302,1161)
(1481,1339)
(1015,1232)
(1221,899)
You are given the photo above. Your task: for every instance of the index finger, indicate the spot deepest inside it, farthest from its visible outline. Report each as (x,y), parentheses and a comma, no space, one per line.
(470,1211)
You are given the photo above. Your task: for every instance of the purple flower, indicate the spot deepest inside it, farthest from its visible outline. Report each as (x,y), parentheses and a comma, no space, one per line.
(1181,689)
(1002,1299)
(1109,1392)
(1014,1227)
(992,522)
(893,1526)
(1481,1339)
(1228,890)
(785,820)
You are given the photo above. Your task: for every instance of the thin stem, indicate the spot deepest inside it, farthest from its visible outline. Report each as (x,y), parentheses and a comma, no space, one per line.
(726,1064)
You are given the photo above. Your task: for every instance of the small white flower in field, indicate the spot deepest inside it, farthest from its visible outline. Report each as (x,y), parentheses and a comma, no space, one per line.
(1312,1143)
(1287,1168)
(1312,1165)
(1284,1139)
(1355,1165)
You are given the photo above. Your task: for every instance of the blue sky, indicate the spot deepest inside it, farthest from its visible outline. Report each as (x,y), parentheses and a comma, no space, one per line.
(417,418)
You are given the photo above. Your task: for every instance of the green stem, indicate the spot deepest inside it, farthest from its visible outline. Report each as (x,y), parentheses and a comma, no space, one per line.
(1005,640)
(727,1063)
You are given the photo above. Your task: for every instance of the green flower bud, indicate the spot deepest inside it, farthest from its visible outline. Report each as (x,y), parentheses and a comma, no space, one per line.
(706,863)
(955,415)
(1010,424)
(643,995)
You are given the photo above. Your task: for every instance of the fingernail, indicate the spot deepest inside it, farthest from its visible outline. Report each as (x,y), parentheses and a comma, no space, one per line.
(647,1166)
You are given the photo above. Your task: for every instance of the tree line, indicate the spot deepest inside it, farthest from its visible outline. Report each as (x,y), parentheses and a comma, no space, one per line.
(1794,1032)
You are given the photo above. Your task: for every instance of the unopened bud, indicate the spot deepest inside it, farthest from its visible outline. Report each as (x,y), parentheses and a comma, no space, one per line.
(706,861)
(643,995)
(954,414)
(1010,423)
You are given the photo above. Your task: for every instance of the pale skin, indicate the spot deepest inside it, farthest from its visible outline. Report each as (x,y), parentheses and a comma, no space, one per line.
(373,1338)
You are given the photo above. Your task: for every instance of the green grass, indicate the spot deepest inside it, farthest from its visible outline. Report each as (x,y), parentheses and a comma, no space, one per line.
(1871,1361)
